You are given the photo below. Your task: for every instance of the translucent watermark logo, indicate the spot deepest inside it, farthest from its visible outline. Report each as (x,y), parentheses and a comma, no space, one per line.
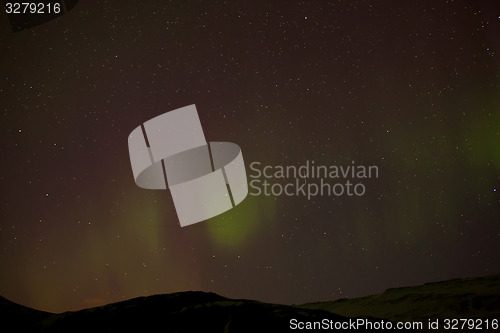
(310,180)
(205,178)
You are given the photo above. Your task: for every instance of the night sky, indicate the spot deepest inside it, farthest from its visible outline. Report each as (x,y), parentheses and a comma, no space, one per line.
(411,87)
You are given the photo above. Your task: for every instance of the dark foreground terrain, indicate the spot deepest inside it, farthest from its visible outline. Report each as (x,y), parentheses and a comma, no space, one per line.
(472,298)
(207,312)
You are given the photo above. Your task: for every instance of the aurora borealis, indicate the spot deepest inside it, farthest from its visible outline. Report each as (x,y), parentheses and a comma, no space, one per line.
(411,87)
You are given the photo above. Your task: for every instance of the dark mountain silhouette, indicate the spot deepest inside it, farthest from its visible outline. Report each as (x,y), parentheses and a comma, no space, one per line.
(208,312)
(22,318)
(179,312)
(458,298)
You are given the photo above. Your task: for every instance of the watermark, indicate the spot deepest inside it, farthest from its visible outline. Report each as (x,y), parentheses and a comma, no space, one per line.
(310,179)
(364,324)
(209,178)
(205,178)
(354,324)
